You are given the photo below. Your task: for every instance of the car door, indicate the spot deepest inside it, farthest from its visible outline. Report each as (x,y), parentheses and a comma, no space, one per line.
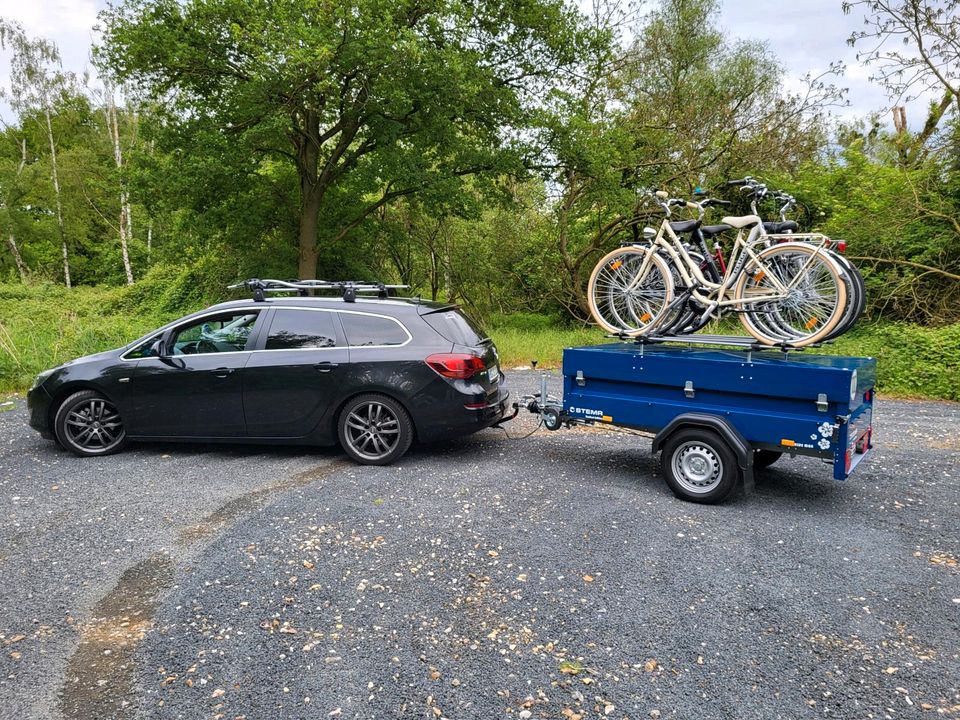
(194,388)
(294,378)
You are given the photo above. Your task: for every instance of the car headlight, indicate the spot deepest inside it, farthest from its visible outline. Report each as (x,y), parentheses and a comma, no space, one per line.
(38,381)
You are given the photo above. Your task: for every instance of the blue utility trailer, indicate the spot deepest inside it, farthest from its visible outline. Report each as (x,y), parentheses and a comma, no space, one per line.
(719,412)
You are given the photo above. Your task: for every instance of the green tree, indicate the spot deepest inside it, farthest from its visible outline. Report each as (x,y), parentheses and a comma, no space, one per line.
(37,82)
(678,104)
(913,46)
(371,100)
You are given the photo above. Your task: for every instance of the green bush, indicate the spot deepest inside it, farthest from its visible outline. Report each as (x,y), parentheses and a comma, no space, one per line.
(911,360)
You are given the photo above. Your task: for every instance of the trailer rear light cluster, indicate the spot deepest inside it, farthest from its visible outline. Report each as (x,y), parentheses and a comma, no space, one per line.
(456,366)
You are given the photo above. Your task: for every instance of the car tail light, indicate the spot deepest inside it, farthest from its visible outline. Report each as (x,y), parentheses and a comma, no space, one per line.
(456,366)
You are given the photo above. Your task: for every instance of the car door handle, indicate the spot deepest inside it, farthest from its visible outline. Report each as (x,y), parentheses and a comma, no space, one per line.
(221,372)
(326,366)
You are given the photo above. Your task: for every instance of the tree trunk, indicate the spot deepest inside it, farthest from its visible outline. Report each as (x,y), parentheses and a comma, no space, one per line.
(125,231)
(17,257)
(56,191)
(309,210)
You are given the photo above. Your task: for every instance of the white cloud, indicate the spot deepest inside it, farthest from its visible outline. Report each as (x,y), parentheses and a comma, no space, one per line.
(67,23)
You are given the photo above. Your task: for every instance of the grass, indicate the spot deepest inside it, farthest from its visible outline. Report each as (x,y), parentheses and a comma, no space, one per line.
(42,326)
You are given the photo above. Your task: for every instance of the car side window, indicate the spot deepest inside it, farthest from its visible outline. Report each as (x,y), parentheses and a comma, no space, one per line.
(144,349)
(372,330)
(223,333)
(301,330)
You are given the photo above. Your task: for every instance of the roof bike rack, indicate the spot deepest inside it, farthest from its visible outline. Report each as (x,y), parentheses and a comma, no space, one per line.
(747,344)
(348,288)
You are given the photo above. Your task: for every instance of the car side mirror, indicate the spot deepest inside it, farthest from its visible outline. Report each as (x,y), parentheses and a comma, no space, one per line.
(157,349)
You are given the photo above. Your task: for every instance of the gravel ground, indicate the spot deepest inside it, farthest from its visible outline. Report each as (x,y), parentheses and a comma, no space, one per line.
(547,577)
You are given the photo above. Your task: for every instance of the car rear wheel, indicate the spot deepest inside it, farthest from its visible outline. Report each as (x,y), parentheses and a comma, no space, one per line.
(88,424)
(374,429)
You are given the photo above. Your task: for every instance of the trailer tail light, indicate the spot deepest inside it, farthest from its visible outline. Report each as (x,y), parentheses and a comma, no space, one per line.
(456,366)
(868,395)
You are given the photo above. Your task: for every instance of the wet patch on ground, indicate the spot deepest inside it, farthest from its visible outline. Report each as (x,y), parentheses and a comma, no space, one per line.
(100,674)
(236,508)
(100,677)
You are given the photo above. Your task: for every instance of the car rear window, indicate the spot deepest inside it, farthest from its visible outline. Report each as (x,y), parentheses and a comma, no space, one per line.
(301,329)
(372,330)
(457,327)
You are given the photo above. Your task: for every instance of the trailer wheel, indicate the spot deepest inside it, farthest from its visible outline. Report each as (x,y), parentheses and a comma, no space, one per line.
(551,419)
(765,458)
(699,466)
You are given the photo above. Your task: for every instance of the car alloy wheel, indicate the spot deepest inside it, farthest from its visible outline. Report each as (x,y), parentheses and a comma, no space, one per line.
(89,424)
(375,430)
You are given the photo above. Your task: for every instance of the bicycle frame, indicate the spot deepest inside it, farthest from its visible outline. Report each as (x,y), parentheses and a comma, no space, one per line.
(741,252)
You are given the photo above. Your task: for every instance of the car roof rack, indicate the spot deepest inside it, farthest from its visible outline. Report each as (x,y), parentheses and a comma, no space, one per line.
(348,288)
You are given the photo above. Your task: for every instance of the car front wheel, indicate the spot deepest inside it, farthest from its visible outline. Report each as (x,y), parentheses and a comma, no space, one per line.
(88,424)
(374,429)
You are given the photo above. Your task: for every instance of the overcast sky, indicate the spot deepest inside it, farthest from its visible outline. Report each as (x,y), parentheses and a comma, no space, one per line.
(806,35)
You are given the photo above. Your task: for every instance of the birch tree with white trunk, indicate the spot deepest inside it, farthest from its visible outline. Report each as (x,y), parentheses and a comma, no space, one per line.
(37,80)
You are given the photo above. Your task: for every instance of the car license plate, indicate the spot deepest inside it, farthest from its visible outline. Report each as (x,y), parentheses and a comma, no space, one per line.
(493,373)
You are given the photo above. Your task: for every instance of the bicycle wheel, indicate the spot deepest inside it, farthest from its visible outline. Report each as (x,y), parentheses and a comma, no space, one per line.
(766,317)
(815,303)
(630,289)
(856,296)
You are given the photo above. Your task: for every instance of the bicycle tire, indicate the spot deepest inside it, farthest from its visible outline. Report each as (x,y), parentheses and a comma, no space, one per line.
(820,327)
(629,314)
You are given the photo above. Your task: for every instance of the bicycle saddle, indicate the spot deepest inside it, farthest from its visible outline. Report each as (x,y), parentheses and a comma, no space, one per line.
(741,221)
(711,230)
(684,226)
(781,227)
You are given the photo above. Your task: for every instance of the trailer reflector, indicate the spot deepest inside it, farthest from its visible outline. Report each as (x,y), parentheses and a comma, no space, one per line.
(788,443)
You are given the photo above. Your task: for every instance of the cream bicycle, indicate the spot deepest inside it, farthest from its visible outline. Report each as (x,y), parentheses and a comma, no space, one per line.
(794,287)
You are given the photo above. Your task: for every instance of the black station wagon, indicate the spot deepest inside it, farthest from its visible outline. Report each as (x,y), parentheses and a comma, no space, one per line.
(373,374)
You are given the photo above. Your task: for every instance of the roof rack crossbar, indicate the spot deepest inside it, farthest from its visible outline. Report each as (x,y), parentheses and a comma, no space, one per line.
(349,288)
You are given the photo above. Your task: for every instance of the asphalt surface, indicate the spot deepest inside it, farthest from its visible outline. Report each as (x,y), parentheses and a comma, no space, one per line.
(547,577)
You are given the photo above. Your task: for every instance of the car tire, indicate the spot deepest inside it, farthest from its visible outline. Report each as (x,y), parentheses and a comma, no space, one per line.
(88,424)
(765,458)
(699,466)
(374,429)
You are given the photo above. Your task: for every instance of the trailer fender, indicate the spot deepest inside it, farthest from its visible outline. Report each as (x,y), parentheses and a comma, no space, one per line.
(741,448)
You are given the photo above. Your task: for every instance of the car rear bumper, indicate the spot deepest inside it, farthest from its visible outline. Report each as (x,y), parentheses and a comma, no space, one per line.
(461,416)
(38,407)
